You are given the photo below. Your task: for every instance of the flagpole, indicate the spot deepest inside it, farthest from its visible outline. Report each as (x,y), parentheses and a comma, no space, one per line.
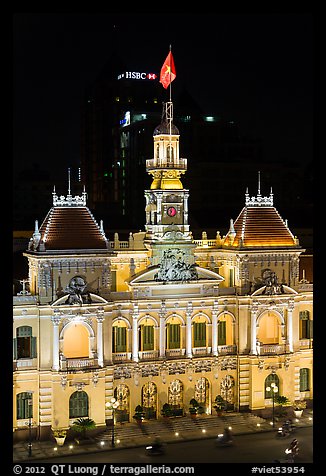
(171,113)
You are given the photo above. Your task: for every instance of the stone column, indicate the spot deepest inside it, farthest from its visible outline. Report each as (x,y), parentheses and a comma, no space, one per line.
(100,320)
(254,313)
(55,343)
(214,332)
(290,325)
(188,331)
(162,315)
(135,334)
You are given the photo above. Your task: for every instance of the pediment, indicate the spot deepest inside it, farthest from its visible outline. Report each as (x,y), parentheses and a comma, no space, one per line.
(93,299)
(148,277)
(266,291)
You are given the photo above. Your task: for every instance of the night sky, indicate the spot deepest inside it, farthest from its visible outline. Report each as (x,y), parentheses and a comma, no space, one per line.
(255,69)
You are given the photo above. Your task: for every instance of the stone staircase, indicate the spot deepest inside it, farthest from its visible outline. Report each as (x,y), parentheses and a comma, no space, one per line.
(184,428)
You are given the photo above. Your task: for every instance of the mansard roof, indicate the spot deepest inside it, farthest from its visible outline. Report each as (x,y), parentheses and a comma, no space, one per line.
(259,225)
(69,225)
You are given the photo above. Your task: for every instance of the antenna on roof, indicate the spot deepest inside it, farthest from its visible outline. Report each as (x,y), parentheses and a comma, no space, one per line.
(258,182)
(68,180)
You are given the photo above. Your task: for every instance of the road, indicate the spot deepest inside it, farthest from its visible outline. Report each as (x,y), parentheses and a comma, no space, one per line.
(253,448)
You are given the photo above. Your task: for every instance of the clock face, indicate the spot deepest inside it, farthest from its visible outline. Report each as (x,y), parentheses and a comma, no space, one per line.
(171,211)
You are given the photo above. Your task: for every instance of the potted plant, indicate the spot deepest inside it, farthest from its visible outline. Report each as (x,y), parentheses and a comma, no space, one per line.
(139,414)
(59,435)
(219,405)
(298,407)
(282,401)
(82,426)
(166,411)
(193,409)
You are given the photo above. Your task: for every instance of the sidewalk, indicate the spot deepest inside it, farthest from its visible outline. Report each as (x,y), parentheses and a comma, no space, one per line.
(128,435)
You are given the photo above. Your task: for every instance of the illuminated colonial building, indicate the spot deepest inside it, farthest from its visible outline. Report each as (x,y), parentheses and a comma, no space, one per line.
(162,317)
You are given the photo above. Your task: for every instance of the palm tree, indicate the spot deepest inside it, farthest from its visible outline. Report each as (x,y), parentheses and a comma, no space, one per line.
(82,425)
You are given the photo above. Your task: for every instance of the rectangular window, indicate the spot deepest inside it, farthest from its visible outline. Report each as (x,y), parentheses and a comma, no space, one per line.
(174,336)
(304,380)
(24,405)
(199,334)
(221,333)
(305,330)
(148,337)
(231,277)
(119,339)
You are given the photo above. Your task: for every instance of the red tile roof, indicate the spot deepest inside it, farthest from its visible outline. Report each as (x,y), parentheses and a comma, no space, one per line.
(71,228)
(260,227)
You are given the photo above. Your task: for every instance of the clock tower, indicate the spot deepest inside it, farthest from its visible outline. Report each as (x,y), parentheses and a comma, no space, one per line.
(166,208)
(167,200)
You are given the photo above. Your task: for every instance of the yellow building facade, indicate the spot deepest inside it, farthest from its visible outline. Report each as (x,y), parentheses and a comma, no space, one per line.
(162,317)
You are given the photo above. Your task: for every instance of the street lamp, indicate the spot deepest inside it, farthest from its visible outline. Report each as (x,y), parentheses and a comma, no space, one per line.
(112,405)
(274,389)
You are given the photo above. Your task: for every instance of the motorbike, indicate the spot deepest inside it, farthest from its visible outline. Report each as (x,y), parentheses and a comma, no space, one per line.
(155,448)
(223,440)
(292,451)
(285,430)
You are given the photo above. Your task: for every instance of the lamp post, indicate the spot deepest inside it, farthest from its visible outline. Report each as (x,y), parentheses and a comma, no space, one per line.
(112,405)
(274,389)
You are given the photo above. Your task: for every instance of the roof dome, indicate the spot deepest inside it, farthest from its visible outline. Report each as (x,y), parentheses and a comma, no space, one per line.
(164,128)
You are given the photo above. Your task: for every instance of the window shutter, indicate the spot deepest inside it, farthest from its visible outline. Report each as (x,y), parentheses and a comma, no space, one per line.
(33,347)
(221,333)
(15,348)
(310,329)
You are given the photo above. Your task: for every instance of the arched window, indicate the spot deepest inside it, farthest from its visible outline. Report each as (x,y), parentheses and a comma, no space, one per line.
(76,341)
(270,381)
(304,380)
(78,405)
(149,399)
(199,333)
(24,405)
(170,153)
(24,343)
(122,395)
(305,331)
(157,151)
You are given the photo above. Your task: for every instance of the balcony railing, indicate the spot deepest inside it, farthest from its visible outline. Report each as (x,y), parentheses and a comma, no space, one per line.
(201,350)
(227,349)
(121,356)
(306,343)
(148,354)
(166,164)
(78,364)
(272,349)
(175,352)
(23,364)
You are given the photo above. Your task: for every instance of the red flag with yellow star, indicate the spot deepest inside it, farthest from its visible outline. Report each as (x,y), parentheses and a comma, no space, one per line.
(168,71)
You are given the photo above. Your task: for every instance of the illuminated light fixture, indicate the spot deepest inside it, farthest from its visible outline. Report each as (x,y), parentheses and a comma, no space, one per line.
(204,431)
(55,449)
(102,443)
(258,424)
(71,447)
(118,441)
(176,433)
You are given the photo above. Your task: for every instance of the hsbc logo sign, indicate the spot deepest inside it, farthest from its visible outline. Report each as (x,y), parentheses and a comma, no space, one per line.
(137,75)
